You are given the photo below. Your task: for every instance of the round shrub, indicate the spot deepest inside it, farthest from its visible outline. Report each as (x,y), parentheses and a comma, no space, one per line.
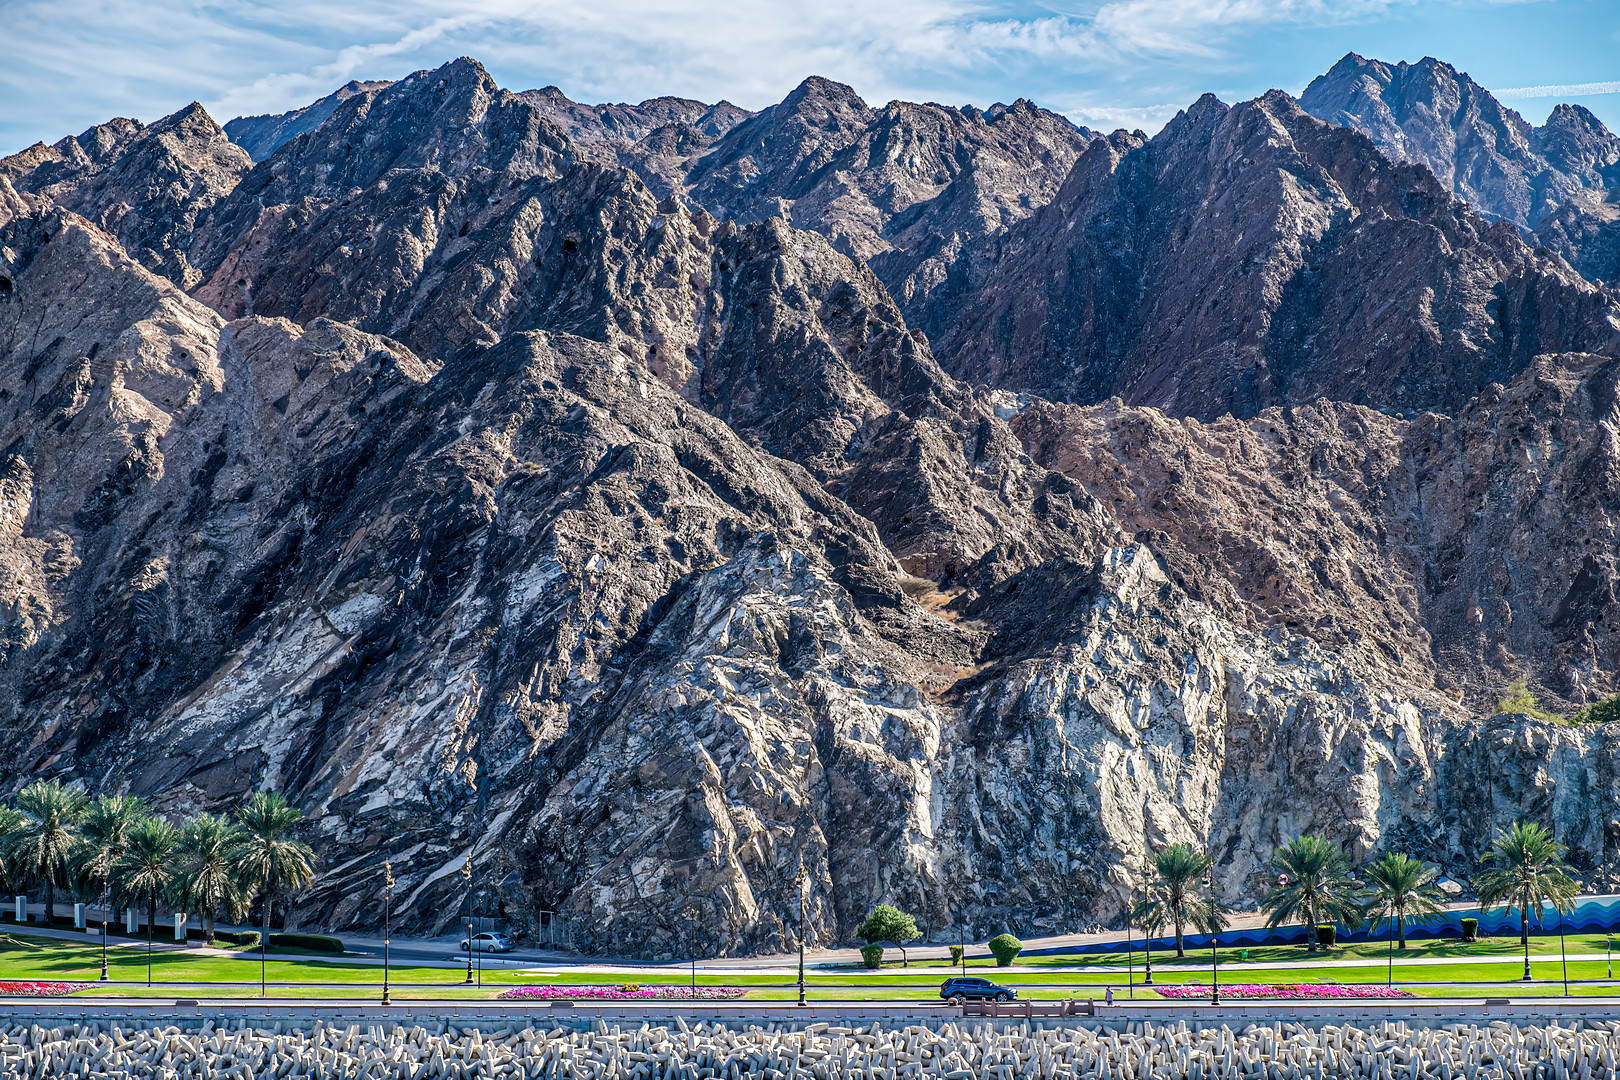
(1470,929)
(1326,934)
(872,955)
(956,954)
(1006,949)
(311,942)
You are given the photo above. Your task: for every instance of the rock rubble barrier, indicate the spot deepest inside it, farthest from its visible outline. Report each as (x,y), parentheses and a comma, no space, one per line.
(952,1051)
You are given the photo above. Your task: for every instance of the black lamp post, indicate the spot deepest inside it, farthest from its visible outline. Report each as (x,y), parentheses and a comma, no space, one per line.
(388,905)
(1214,939)
(1147,943)
(483,912)
(466,877)
(803,917)
(106,890)
(1130,949)
(1562,955)
(151,917)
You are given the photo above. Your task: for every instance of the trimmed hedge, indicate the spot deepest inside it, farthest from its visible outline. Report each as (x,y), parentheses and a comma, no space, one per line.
(1470,928)
(312,942)
(247,939)
(956,954)
(1326,934)
(872,955)
(1006,949)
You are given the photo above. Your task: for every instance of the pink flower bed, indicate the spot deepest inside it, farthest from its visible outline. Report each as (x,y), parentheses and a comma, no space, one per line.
(619,993)
(1284,990)
(40,989)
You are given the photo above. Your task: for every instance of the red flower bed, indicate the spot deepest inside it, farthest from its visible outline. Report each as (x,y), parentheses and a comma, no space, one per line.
(629,992)
(1285,990)
(41,989)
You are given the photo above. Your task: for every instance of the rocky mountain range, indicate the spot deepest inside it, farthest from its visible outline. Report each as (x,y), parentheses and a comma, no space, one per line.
(1430,113)
(654,500)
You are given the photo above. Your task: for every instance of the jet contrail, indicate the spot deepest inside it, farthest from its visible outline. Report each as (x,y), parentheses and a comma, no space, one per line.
(1572,90)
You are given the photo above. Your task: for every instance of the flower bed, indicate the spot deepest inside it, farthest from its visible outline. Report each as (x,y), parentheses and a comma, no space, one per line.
(624,993)
(1284,990)
(41,989)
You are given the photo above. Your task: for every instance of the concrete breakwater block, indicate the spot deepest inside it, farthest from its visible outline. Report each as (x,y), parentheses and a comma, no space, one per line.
(970,1050)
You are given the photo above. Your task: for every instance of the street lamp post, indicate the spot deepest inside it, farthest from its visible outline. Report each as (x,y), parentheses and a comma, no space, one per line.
(466,877)
(106,890)
(1562,954)
(1214,940)
(802,920)
(483,914)
(1147,942)
(1130,951)
(388,905)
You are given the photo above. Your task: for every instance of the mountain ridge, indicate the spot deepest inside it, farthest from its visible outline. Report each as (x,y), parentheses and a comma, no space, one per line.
(646,510)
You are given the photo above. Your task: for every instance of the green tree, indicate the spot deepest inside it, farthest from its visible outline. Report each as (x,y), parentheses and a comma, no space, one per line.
(146,869)
(1526,866)
(103,837)
(1519,699)
(11,875)
(270,858)
(1315,886)
(1606,711)
(1172,898)
(48,835)
(889,923)
(207,878)
(1403,888)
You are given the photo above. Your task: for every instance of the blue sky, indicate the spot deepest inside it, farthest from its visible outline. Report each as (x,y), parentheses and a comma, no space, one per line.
(66,64)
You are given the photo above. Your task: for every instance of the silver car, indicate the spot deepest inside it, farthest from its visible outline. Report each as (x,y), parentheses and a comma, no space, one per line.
(487,943)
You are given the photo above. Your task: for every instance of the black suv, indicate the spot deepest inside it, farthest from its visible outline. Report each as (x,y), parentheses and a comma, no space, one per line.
(961,989)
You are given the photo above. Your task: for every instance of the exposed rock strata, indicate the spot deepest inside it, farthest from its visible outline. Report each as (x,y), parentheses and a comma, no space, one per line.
(260,136)
(145,185)
(1250,256)
(489,496)
(1429,113)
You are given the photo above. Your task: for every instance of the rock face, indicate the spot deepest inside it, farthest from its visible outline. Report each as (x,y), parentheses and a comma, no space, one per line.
(145,185)
(495,492)
(1558,179)
(260,136)
(1430,113)
(1251,256)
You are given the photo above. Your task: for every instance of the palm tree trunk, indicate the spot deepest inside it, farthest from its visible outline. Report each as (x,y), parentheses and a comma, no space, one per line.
(1179,950)
(208,929)
(50,898)
(1400,927)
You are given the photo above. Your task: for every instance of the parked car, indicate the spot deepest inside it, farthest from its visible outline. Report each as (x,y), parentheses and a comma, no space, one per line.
(488,943)
(960,989)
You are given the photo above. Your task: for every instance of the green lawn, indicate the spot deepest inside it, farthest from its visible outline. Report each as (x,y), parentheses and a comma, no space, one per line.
(189,974)
(1546,945)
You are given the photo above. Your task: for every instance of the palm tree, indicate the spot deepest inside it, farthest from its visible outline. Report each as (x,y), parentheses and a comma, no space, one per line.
(1179,869)
(269,857)
(1315,885)
(45,841)
(145,871)
(1526,866)
(1404,888)
(11,876)
(103,838)
(207,877)
(104,834)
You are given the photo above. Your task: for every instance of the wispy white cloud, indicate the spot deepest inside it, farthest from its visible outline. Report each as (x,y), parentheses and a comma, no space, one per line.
(1560,90)
(67,63)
